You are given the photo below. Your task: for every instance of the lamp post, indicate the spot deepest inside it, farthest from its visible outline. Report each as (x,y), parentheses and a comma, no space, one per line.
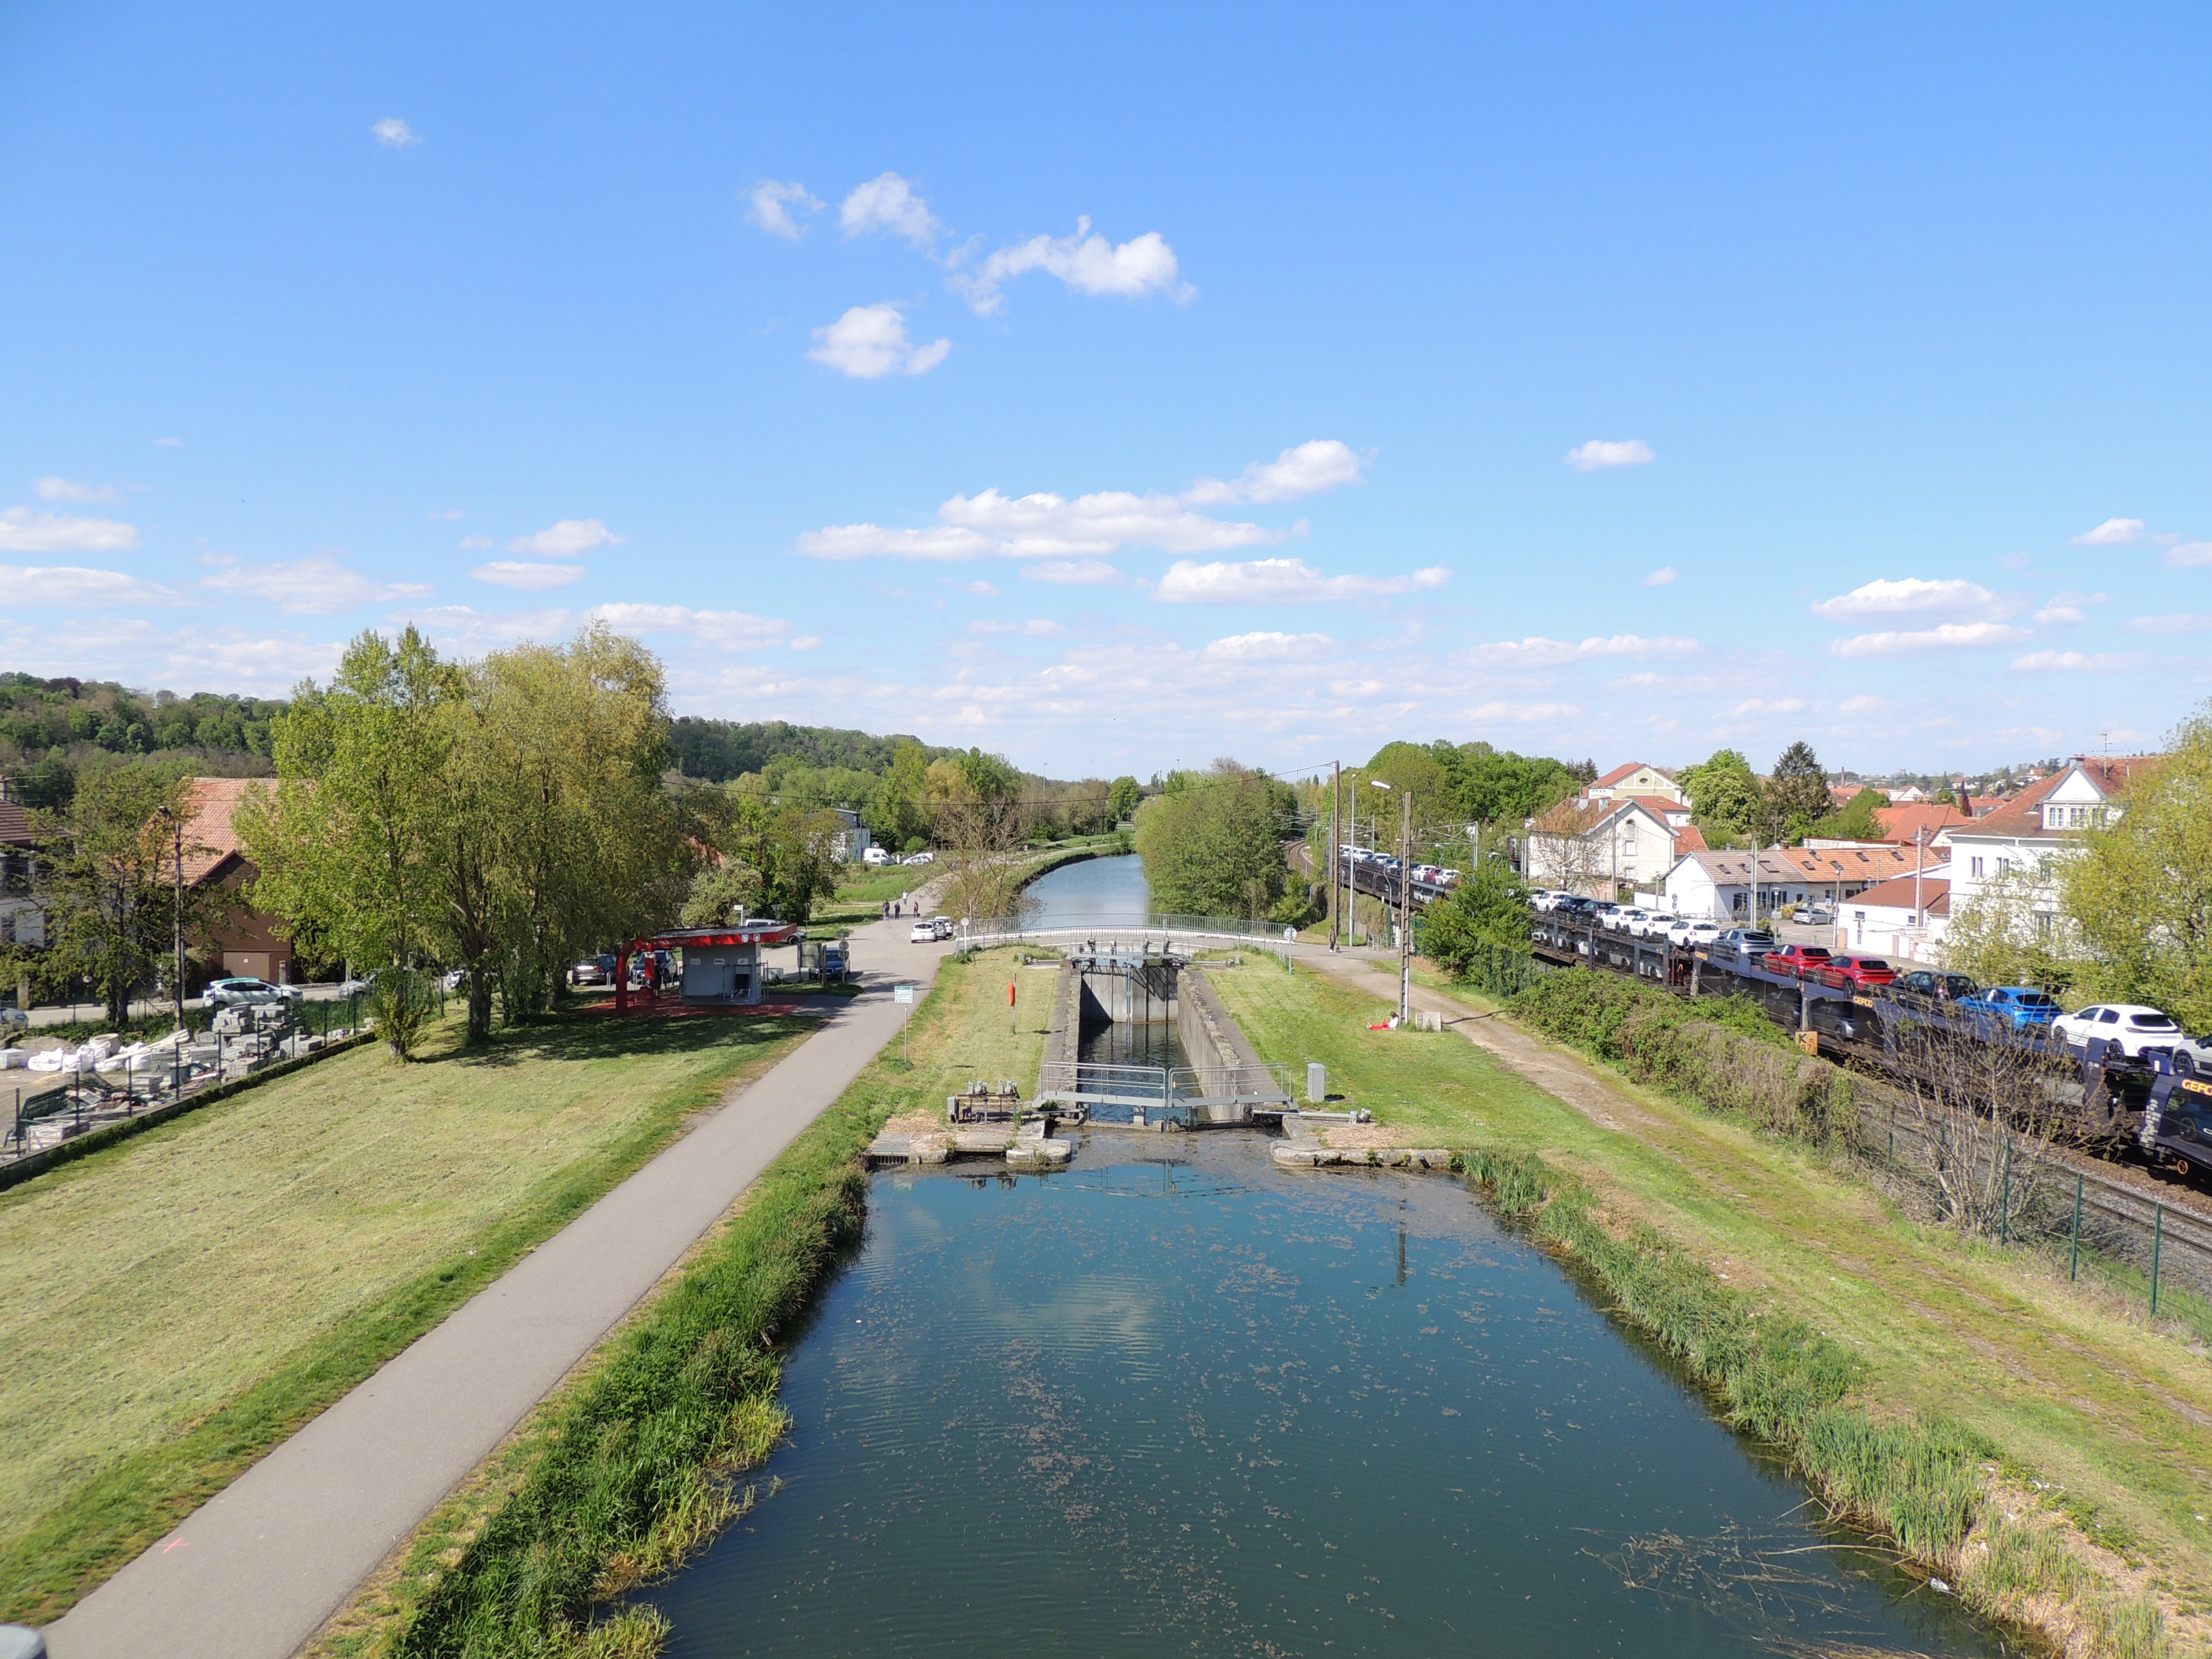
(177,910)
(1405,904)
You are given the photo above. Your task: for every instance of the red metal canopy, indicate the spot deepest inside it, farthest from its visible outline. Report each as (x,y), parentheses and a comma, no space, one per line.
(759,932)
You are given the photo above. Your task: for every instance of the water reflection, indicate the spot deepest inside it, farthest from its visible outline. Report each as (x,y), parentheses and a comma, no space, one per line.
(1174,1399)
(1094,890)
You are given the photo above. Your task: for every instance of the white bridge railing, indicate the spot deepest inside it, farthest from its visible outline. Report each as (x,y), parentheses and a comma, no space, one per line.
(1132,935)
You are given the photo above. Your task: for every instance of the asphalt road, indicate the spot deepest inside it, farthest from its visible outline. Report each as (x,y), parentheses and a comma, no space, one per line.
(259,1567)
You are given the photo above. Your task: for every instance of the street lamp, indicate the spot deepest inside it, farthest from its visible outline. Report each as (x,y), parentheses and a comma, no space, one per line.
(1405,904)
(177,908)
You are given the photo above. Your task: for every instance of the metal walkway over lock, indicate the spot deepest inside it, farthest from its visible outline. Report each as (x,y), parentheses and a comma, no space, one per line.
(1158,1096)
(1132,937)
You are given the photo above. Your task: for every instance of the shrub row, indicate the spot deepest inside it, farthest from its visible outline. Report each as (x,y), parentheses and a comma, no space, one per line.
(1724,1052)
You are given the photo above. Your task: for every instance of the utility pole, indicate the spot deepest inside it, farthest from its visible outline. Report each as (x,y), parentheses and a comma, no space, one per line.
(1336,800)
(1406,909)
(177,910)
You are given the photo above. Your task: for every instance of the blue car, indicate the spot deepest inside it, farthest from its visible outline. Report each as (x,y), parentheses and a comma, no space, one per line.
(2020,1007)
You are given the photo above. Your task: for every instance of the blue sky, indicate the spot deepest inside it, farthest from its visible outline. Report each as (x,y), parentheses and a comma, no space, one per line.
(1125,388)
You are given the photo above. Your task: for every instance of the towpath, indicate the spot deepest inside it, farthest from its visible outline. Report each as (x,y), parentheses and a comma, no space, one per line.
(255,1572)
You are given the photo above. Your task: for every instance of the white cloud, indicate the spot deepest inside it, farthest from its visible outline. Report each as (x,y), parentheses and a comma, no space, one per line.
(2069,607)
(1087,263)
(475,543)
(1599,453)
(1864,703)
(2073,661)
(1522,714)
(69,587)
(869,342)
(446,513)
(772,203)
(1073,573)
(724,630)
(462,630)
(1038,627)
(395,134)
(66,489)
(1270,647)
(1305,469)
(531,578)
(2113,533)
(983,590)
(315,585)
(889,204)
(1069,537)
(22,530)
(1765,706)
(2185,623)
(1537,652)
(1909,597)
(1663,577)
(566,539)
(2188,554)
(807,642)
(1281,581)
(168,443)
(1949,636)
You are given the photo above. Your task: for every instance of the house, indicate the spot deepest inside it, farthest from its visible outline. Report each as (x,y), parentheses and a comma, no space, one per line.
(1635,779)
(1926,821)
(22,920)
(1718,886)
(850,844)
(251,946)
(2040,824)
(1602,847)
(1905,917)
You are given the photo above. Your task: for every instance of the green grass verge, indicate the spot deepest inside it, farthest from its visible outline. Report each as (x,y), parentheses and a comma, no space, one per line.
(639,1465)
(180,1303)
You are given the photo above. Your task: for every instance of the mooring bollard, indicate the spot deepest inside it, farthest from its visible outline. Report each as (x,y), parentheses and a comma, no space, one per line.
(1316,1082)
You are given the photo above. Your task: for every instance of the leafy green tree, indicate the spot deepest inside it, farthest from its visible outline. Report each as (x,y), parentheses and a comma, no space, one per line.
(1211,841)
(1490,908)
(1725,796)
(899,810)
(2139,896)
(720,893)
(1122,799)
(1855,819)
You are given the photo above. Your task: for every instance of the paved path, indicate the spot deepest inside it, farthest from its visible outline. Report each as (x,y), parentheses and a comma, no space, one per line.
(255,1571)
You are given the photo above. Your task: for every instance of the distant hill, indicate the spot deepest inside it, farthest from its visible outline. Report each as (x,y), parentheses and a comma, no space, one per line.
(719,750)
(48,726)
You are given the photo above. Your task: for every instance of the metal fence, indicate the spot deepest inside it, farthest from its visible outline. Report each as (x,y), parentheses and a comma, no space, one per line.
(59,1106)
(1131,934)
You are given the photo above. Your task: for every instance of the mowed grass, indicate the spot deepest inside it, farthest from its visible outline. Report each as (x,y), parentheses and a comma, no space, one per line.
(2069,1381)
(173,1307)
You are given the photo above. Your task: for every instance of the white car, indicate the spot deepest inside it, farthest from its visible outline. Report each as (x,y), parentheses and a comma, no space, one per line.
(1654,925)
(921,858)
(2137,1029)
(923,932)
(1630,922)
(875,855)
(1687,933)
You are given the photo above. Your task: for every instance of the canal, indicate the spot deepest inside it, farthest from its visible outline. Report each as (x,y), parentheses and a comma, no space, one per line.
(1093,891)
(1174,1400)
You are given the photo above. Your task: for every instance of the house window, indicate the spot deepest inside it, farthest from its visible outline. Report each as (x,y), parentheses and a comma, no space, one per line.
(2043,928)
(1974,867)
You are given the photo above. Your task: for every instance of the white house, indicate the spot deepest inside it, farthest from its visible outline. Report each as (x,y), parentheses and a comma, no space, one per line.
(1906,918)
(2040,824)
(1601,847)
(1718,886)
(1636,780)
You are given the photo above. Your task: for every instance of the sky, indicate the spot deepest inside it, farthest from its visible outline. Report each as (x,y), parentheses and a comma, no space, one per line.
(1121,388)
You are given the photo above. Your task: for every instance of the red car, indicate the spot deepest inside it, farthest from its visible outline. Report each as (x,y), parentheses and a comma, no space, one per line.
(1856,973)
(1799,961)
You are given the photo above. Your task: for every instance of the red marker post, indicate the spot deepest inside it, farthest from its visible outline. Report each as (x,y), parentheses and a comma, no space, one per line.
(1012,1029)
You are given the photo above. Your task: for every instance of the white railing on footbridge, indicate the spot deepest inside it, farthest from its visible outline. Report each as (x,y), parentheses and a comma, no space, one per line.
(1131,936)
(1188,1097)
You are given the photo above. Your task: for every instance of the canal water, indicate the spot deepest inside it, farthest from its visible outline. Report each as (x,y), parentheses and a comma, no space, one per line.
(1098,891)
(1174,1400)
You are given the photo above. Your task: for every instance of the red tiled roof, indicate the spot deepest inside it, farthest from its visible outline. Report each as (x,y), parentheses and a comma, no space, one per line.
(1690,839)
(1616,775)
(1897,894)
(1901,824)
(14,823)
(2023,814)
(210,831)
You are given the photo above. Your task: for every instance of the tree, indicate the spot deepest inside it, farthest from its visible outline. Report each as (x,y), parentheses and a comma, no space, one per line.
(1211,841)
(720,893)
(1855,819)
(2139,896)
(1796,796)
(1490,907)
(1725,796)
(107,879)
(1122,798)
(899,813)
(2008,935)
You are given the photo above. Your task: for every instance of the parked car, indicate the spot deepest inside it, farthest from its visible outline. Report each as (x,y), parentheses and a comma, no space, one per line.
(943,925)
(921,858)
(1629,921)
(1448,877)
(1744,944)
(1856,973)
(923,932)
(594,971)
(13,1019)
(2022,1007)
(243,993)
(1653,924)
(1798,961)
(1812,916)
(1687,933)
(1851,1021)
(2139,1030)
(876,855)
(1937,987)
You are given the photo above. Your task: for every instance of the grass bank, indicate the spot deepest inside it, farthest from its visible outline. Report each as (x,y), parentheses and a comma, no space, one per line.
(639,1459)
(2031,1436)
(174,1306)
